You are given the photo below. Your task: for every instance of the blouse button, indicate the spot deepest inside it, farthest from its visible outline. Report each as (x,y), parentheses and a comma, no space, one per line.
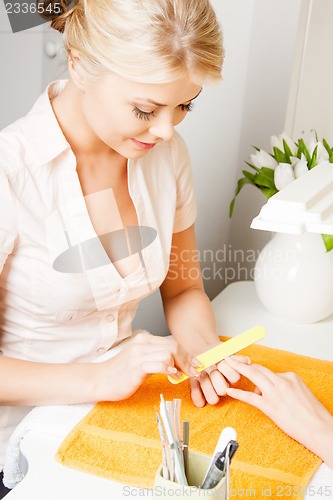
(110,318)
(101,350)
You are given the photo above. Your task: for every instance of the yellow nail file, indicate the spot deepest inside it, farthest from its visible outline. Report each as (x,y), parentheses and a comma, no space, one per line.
(225,349)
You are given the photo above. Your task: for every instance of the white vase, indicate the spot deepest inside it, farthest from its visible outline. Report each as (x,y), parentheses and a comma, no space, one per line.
(294,277)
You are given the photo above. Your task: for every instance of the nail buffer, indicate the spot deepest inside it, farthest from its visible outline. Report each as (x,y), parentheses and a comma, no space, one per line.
(225,349)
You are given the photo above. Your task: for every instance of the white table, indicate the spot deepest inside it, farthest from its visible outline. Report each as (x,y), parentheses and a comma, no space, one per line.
(237,309)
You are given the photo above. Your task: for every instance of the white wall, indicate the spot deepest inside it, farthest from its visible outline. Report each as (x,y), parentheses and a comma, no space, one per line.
(213,134)
(246,108)
(271,56)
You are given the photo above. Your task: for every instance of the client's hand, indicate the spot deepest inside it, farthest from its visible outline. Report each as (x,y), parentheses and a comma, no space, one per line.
(210,384)
(285,399)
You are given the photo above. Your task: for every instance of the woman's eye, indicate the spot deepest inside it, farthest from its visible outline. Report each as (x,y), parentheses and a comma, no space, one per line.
(143,115)
(187,107)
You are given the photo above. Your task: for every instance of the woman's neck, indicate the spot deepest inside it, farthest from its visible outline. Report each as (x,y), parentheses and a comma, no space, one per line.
(67,107)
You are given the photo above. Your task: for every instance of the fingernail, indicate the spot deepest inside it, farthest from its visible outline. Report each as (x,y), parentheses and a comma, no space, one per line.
(194,371)
(175,373)
(248,360)
(196,362)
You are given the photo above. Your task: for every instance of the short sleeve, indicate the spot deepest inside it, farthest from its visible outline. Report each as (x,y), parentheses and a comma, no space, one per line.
(8,219)
(186,208)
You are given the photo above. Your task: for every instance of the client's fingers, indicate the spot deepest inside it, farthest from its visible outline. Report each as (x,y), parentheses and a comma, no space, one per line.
(259,375)
(208,388)
(245,396)
(196,393)
(242,359)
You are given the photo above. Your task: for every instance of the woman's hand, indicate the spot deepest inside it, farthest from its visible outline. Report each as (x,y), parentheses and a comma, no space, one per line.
(286,399)
(119,377)
(213,382)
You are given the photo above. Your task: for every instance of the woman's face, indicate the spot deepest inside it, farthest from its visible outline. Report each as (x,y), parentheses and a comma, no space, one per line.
(132,117)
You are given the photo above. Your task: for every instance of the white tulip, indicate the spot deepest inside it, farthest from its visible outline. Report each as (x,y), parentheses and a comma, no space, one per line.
(277,142)
(262,159)
(283,175)
(322,154)
(300,165)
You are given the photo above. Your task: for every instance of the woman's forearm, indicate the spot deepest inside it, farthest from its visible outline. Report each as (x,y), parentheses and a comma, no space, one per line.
(191,320)
(323,441)
(28,383)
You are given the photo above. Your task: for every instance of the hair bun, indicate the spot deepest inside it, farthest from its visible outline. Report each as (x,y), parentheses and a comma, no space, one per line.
(56,11)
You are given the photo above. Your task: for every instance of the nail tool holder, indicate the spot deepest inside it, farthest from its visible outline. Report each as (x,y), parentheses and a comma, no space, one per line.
(197,467)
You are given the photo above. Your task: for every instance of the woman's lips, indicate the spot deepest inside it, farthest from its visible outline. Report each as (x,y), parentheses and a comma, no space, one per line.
(143,145)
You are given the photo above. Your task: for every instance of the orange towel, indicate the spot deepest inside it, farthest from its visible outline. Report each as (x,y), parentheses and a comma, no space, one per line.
(119,440)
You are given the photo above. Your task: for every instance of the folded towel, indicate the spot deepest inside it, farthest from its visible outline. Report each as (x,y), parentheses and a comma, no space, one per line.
(119,440)
(48,420)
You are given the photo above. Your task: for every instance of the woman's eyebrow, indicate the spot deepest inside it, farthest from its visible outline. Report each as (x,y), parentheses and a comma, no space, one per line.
(150,101)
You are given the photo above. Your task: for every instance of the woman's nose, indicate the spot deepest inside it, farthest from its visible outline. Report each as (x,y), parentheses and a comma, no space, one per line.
(163,128)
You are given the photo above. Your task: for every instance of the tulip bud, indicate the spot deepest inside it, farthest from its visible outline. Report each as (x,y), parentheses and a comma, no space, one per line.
(283,175)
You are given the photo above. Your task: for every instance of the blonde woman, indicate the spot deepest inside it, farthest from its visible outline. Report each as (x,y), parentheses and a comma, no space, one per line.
(97,208)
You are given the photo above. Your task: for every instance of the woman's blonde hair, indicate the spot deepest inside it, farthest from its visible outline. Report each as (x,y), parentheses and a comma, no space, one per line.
(148,41)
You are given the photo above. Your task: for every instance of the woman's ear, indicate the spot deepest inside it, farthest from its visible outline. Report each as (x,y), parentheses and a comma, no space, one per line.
(75,70)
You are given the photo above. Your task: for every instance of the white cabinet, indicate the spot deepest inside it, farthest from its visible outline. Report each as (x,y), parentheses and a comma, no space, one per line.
(310,106)
(21,69)
(25,68)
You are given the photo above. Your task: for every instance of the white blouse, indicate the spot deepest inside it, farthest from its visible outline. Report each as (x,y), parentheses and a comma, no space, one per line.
(61,298)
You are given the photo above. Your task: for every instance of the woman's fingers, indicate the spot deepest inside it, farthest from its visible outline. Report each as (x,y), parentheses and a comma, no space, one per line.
(212,383)
(218,381)
(157,362)
(242,359)
(208,388)
(197,396)
(259,375)
(245,396)
(229,372)
(162,355)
